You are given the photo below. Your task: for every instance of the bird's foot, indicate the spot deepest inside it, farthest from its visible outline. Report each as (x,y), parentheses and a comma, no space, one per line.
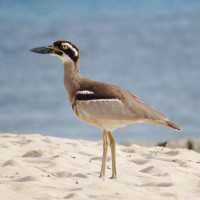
(113,176)
(101,176)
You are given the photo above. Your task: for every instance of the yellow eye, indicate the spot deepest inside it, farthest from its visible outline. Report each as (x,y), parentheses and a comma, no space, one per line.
(64,46)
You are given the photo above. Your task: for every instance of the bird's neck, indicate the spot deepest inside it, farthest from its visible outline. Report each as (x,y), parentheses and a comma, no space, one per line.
(72,79)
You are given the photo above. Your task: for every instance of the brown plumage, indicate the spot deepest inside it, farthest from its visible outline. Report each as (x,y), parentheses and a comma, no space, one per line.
(103,105)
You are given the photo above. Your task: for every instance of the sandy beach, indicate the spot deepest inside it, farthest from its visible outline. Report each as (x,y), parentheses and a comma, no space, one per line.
(43,167)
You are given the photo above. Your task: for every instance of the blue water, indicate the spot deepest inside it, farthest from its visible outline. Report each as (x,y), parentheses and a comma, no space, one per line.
(151,48)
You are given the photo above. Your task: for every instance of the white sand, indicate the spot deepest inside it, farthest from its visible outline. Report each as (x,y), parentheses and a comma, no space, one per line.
(49,168)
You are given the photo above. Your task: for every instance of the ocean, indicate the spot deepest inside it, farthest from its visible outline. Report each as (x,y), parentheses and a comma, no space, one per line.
(151,48)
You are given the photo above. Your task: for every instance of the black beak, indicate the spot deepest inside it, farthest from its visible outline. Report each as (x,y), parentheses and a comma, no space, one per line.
(43,50)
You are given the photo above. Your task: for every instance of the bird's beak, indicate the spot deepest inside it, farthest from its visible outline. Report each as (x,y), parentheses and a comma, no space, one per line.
(46,50)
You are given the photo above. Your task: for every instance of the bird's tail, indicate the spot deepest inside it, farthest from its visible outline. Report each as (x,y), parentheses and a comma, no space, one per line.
(172,125)
(165,123)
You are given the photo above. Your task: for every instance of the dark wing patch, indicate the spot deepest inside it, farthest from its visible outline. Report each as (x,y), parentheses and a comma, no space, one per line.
(92,96)
(97,90)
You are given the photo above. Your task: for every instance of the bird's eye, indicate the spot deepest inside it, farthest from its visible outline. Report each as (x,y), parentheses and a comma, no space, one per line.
(64,46)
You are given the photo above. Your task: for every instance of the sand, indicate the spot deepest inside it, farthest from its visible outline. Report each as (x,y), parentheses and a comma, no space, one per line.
(50,168)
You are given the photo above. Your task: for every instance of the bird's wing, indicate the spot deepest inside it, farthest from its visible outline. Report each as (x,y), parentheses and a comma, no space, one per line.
(113,103)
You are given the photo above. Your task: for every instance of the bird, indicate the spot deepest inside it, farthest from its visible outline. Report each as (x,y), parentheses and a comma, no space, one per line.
(103,105)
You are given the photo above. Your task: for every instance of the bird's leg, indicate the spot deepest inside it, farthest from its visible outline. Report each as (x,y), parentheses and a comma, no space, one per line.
(112,146)
(105,150)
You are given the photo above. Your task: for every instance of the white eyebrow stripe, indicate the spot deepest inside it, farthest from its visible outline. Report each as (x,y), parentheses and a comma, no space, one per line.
(72,48)
(85,92)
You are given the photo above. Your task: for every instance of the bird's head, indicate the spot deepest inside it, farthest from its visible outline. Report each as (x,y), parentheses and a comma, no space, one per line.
(65,50)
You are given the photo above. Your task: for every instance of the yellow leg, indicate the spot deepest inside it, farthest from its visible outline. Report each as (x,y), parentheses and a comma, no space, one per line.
(105,150)
(112,146)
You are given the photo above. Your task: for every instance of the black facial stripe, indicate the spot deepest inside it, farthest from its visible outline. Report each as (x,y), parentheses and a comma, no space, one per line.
(71,54)
(59,53)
